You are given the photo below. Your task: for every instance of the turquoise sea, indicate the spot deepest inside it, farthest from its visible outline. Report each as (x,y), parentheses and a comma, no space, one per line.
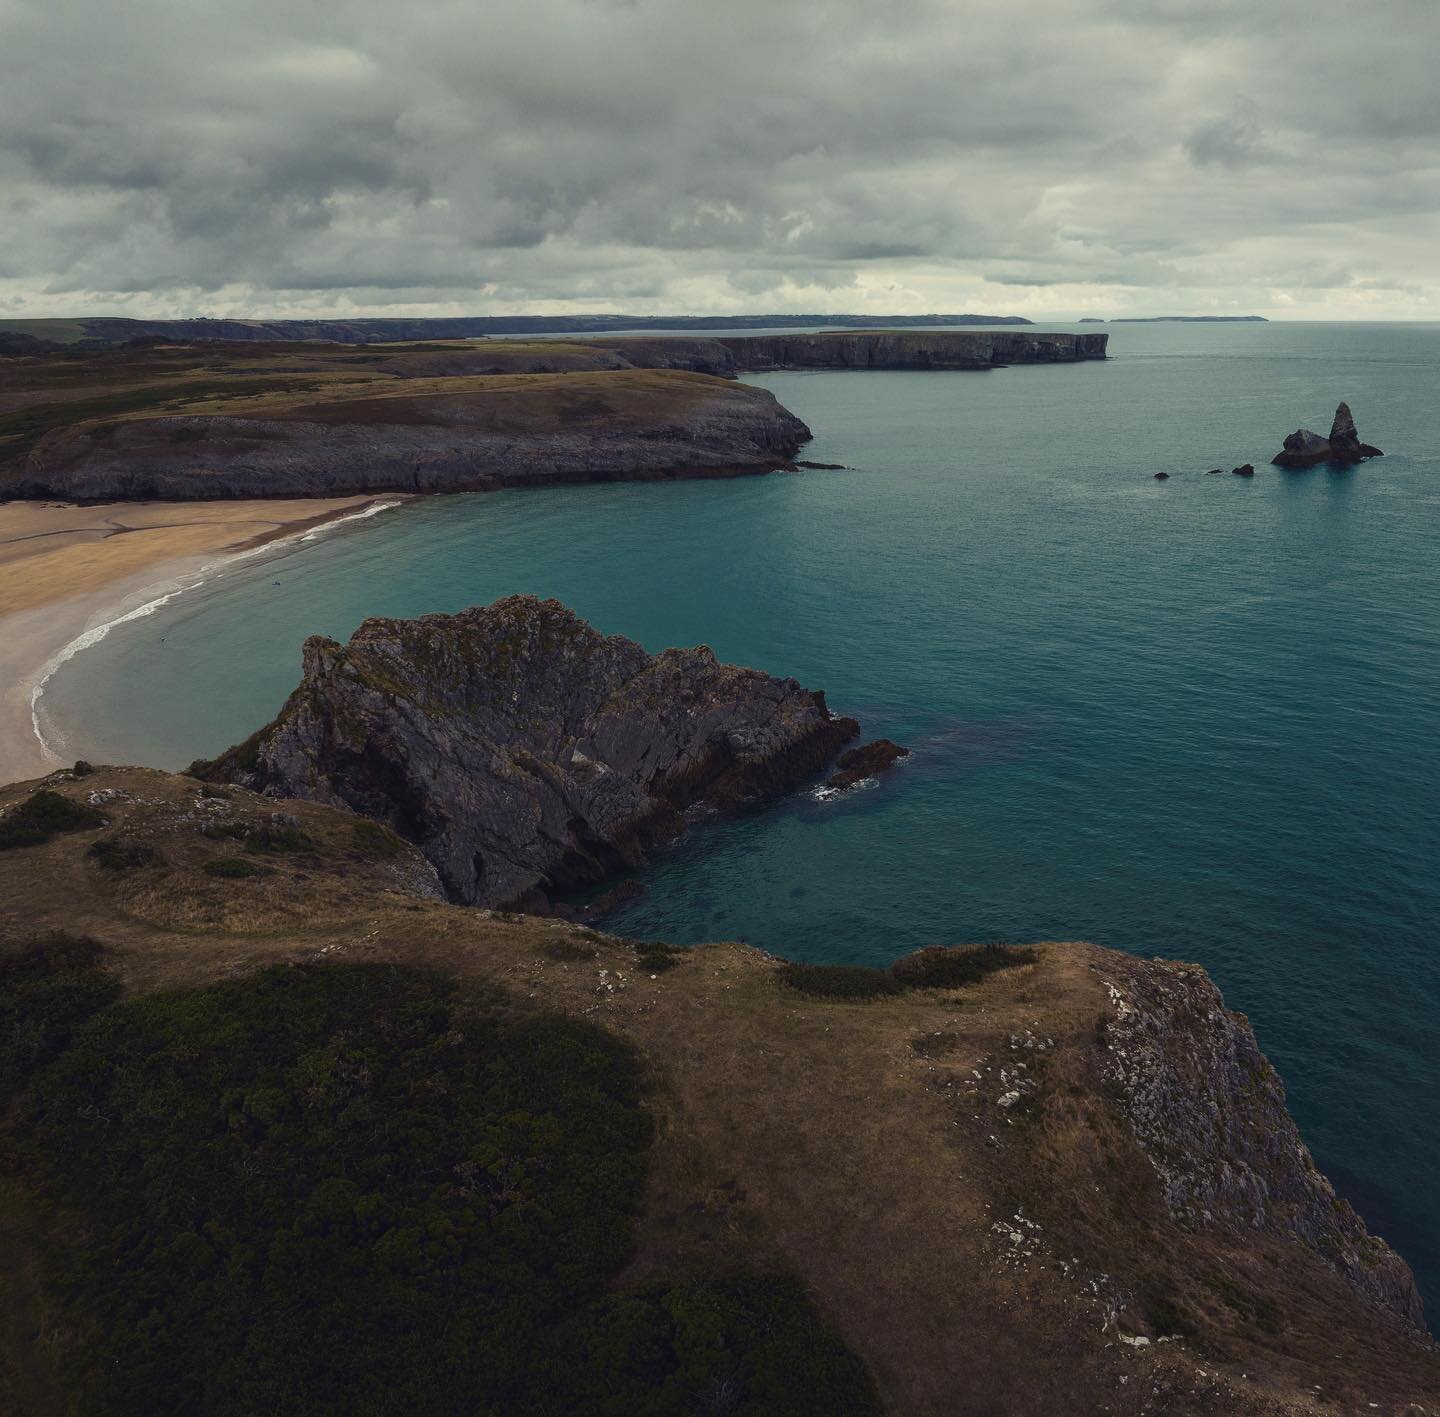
(1197,718)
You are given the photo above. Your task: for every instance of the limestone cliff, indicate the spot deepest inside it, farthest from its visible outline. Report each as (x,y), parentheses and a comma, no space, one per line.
(1209,1111)
(450,435)
(911,349)
(523,751)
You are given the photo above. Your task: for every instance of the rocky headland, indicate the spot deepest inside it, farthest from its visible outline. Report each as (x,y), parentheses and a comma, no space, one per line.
(1343,448)
(1050,1179)
(447,435)
(909,349)
(206,421)
(526,754)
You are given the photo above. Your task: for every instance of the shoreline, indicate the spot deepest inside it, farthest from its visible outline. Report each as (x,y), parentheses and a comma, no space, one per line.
(69,573)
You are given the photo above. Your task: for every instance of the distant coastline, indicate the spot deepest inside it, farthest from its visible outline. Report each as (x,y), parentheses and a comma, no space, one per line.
(1187,320)
(33,336)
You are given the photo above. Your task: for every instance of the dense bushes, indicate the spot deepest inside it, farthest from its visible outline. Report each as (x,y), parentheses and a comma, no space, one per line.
(353,1189)
(47,989)
(41,816)
(934,968)
(839,981)
(235,868)
(737,1343)
(116,855)
(952,968)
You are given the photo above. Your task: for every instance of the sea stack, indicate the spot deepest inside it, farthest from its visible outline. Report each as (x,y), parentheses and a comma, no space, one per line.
(1305,448)
(525,753)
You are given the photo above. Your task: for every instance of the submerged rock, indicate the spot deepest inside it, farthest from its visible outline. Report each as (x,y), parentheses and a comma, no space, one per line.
(525,753)
(1244,470)
(860,763)
(1162,476)
(1306,448)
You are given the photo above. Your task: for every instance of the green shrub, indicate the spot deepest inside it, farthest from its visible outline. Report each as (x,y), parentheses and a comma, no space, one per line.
(338,1189)
(839,981)
(278,841)
(116,855)
(353,1189)
(566,951)
(941,968)
(1259,1310)
(226,831)
(47,989)
(736,1343)
(655,956)
(82,768)
(235,868)
(376,840)
(43,815)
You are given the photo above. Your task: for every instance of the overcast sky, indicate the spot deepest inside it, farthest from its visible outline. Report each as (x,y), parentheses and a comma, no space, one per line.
(1051,158)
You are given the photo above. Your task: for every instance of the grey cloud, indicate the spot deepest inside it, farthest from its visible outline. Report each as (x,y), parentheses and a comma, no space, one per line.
(664,155)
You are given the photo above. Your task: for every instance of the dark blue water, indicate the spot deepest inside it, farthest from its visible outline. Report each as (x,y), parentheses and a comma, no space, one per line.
(1198,718)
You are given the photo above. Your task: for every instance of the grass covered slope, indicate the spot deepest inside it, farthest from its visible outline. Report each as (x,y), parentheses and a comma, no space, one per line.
(292,420)
(958,1167)
(364,1189)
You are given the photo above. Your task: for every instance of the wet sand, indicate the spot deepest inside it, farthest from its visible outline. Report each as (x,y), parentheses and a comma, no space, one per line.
(66,569)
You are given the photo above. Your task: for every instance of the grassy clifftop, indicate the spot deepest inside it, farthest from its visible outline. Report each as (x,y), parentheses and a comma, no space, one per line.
(950,1159)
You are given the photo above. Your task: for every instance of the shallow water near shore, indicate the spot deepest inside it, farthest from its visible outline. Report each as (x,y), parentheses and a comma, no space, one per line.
(1197,718)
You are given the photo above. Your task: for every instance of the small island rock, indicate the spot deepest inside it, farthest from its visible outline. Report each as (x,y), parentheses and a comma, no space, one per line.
(1306,448)
(860,763)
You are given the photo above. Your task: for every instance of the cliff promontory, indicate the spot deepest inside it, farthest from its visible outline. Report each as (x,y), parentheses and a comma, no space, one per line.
(525,753)
(434,435)
(1056,1179)
(912,349)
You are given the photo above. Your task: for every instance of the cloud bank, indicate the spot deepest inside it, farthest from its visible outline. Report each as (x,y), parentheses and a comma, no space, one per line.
(1045,157)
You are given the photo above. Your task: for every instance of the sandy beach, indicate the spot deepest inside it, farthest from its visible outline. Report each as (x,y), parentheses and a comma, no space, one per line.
(66,569)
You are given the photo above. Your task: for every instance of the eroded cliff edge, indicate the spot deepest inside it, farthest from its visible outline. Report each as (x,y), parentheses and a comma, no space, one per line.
(526,754)
(438,435)
(1067,1186)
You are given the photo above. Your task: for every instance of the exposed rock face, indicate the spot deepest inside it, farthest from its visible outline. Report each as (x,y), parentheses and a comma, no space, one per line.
(525,753)
(1304,448)
(948,349)
(515,432)
(856,764)
(1209,1112)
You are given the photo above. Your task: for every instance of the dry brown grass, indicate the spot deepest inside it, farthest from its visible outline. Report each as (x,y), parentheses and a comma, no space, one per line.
(854,1140)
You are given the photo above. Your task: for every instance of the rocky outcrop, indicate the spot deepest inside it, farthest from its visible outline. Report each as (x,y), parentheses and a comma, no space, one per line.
(482,435)
(909,349)
(526,754)
(856,764)
(1209,1112)
(1304,448)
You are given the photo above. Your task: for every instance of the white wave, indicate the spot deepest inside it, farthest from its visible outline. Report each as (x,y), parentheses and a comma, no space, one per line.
(96,633)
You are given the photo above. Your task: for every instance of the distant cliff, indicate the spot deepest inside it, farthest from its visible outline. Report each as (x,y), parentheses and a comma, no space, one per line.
(889,349)
(113,330)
